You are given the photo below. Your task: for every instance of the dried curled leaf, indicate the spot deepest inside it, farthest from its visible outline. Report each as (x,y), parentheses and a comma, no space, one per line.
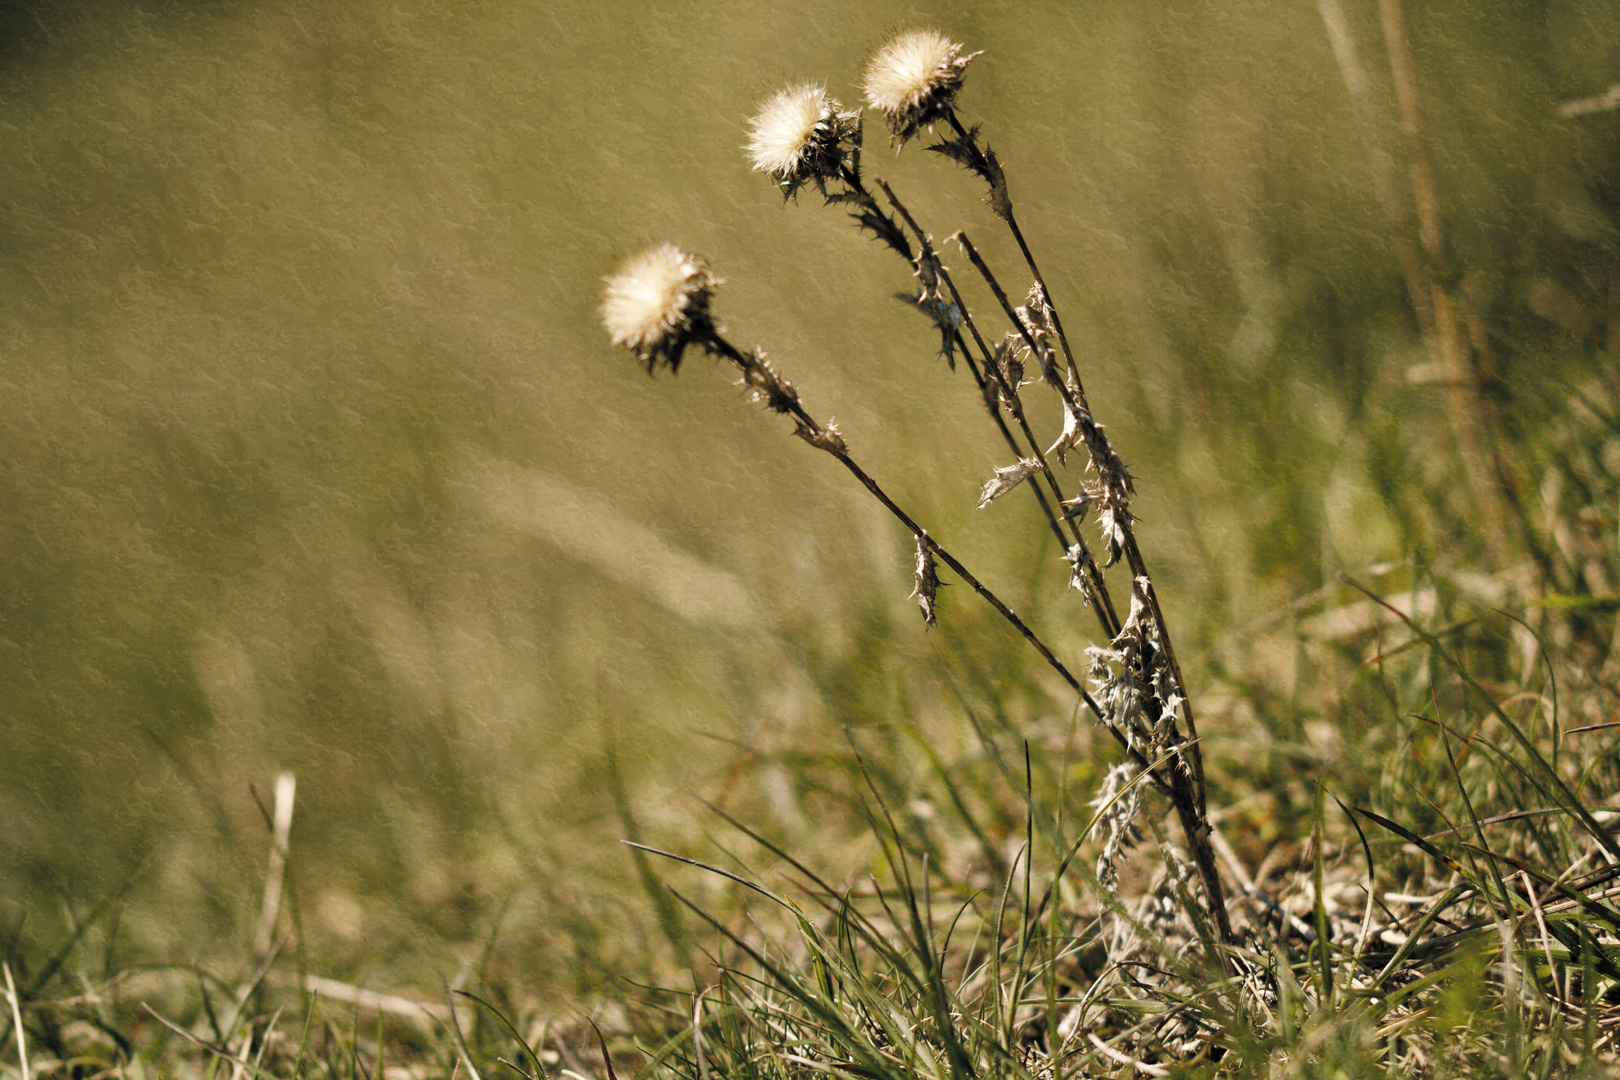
(990,391)
(883,227)
(766,386)
(1078,506)
(823,437)
(962,150)
(947,319)
(1118,801)
(1071,434)
(1009,369)
(1112,491)
(998,198)
(928,270)
(1118,691)
(1136,687)
(1007,477)
(927,578)
(1035,316)
(983,163)
(1080,561)
(1115,478)
(1112,521)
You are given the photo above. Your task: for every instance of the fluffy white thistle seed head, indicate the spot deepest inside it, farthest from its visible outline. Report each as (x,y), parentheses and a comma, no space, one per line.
(913,79)
(799,137)
(657,302)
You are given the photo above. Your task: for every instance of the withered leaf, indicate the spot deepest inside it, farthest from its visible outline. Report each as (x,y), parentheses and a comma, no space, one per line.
(1007,477)
(927,578)
(1071,434)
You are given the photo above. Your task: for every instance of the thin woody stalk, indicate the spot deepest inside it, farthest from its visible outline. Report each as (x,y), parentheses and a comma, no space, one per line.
(778,395)
(1191,800)
(872,217)
(1192,805)
(802,136)
(984,163)
(1012,443)
(658,305)
(1101,601)
(1133,554)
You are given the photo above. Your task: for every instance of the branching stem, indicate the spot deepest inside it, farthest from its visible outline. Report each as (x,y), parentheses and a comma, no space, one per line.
(790,405)
(1103,603)
(891,234)
(1190,798)
(970,140)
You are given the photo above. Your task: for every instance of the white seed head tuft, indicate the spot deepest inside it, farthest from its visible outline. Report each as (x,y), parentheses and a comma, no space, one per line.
(799,137)
(913,79)
(658,302)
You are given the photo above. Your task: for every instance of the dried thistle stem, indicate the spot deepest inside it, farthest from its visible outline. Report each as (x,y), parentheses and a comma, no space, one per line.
(779,396)
(985,165)
(1189,796)
(1133,554)
(983,384)
(875,219)
(658,303)
(1102,603)
(1004,210)
(826,438)
(1189,799)
(805,137)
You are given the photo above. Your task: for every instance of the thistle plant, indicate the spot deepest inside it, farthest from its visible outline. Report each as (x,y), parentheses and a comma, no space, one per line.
(799,138)
(658,304)
(913,80)
(665,291)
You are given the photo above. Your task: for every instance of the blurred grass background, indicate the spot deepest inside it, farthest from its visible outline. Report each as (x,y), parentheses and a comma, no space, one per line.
(313,457)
